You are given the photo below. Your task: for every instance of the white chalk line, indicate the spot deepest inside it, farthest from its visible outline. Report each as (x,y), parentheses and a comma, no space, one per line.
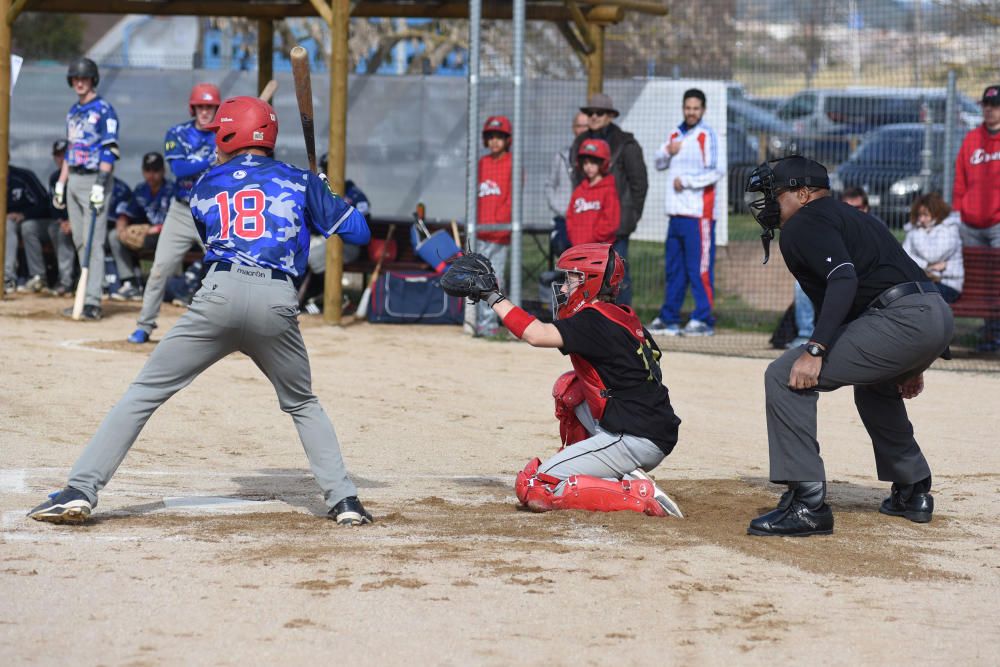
(229,474)
(81,344)
(13,481)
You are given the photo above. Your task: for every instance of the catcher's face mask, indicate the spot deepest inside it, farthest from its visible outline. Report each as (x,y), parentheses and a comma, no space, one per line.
(562,290)
(762,199)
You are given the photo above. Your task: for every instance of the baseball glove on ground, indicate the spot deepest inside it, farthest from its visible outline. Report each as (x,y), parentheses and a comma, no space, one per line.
(471,276)
(134,236)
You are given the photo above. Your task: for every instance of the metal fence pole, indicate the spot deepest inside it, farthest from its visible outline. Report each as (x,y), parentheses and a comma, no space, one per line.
(472,155)
(925,151)
(517,183)
(950,111)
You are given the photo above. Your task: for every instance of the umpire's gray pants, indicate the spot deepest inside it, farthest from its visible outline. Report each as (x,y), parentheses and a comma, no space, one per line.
(603,454)
(80,217)
(33,233)
(874,353)
(243,310)
(176,238)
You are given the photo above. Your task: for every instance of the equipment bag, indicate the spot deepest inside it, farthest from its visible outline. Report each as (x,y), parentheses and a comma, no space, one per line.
(436,249)
(400,298)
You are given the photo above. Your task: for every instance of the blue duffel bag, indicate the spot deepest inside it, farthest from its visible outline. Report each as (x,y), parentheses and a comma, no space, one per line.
(401,298)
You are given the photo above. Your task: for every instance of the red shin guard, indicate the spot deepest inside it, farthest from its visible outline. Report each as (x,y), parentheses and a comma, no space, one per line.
(583,492)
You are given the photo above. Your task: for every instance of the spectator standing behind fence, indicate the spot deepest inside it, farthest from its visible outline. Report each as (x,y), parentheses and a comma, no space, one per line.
(494,208)
(690,155)
(59,231)
(629,170)
(934,242)
(976,195)
(559,187)
(593,214)
(27,206)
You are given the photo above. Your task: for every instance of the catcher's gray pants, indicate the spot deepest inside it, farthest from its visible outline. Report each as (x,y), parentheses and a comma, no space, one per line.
(873,353)
(33,233)
(243,310)
(125,258)
(80,216)
(603,454)
(178,234)
(486,319)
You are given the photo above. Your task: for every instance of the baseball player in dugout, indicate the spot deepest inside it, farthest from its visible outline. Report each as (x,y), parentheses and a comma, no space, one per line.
(84,182)
(615,418)
(189,148)
(880,324)
(254,215)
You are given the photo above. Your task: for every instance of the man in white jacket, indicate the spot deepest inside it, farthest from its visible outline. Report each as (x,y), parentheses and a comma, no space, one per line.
(690,155)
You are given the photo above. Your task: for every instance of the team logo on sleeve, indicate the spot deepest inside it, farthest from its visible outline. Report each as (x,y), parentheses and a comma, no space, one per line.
(239,174)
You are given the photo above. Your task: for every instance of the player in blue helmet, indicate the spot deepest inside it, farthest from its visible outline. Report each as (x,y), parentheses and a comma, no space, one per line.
(254,215)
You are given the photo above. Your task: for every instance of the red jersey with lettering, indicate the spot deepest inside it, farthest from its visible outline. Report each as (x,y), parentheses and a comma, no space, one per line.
(494,197)
(618,364)
(977,179)
(593,215)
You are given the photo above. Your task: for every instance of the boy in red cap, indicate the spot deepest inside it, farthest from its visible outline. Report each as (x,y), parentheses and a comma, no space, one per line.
(594,212)
(494,208)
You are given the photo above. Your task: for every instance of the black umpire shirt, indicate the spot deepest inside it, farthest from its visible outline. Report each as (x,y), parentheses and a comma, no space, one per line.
(26,195)
(827,239)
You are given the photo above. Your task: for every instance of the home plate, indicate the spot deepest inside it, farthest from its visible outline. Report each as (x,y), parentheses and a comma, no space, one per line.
(220,504)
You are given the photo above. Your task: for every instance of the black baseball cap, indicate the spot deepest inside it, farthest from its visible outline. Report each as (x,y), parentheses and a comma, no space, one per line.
(152,162)
(798,172)
(991,96)
(59,146)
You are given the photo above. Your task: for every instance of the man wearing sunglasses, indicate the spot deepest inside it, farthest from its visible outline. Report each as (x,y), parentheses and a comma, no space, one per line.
(627,166)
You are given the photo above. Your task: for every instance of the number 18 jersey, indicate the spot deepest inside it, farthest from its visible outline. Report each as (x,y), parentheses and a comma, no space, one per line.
(256,211)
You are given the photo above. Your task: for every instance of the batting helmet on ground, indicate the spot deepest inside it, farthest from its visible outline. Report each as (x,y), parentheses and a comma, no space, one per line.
(83,68)
(206,94)
(244,122)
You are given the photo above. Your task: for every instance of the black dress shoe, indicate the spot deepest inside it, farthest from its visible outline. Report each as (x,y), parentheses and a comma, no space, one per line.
(795,520)
(910,501)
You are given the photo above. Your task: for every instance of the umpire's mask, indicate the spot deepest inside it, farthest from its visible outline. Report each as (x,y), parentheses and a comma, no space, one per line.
(766,183)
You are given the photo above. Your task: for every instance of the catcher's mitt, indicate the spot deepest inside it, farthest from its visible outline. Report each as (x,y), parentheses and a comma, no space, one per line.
(134,236)
(470,276)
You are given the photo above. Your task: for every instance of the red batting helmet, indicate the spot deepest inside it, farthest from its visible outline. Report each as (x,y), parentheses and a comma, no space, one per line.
(600,270)
(243,122)
(499,124)
(595,148)
(204,94)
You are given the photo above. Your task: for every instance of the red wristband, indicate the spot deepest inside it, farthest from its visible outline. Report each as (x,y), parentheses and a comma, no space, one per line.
(517,320)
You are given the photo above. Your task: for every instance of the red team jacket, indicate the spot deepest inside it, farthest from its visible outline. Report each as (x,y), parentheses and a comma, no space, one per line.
(977,179)
(494,197)
(593,215)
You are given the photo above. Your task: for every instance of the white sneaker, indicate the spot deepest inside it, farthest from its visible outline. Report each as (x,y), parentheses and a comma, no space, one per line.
(697,328)
(34,284)
(659,328)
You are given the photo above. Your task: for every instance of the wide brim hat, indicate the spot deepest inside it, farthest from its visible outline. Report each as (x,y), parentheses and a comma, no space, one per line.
(600,102)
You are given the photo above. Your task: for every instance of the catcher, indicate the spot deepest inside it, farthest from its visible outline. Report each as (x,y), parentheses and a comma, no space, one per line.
(615,418)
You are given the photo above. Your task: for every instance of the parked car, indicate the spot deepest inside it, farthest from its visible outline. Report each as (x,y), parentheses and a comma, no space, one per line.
(755,119)
(826,124)
(888,166)
(742,155)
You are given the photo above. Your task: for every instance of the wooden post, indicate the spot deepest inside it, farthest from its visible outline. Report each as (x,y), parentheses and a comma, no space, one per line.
(595,60)
(265,52)
(4,122)
(337,153)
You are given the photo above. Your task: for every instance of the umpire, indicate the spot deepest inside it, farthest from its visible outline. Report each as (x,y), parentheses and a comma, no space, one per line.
(880,325)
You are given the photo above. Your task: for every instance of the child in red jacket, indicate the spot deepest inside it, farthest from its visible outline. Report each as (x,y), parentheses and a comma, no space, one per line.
(493,208)
(593,213)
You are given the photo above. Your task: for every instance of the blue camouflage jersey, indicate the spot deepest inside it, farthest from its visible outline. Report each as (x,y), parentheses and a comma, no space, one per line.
(92,134)
(118,201)
(189,152)
(256,211)
(147,207)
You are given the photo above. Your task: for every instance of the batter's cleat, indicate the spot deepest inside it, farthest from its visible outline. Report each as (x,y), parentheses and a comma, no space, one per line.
(660,328)
(801,512)
(139,336)
(659,495)
(350,512)
(912,501)
(697,328)
(90,313)
(66,506)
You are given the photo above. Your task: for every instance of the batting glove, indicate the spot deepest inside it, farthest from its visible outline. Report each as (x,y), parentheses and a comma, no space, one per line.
(59,196)
(97,197)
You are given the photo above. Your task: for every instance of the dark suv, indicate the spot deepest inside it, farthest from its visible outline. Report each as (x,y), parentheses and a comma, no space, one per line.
(888,165)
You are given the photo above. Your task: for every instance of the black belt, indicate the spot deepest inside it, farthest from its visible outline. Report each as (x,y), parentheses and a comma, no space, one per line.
(899,291)
(226,266)
(82,170)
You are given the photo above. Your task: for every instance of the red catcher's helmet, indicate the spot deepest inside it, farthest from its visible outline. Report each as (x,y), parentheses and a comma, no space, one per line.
(499,124)
(600,271)
(204,94)
(595,148)
(243,122)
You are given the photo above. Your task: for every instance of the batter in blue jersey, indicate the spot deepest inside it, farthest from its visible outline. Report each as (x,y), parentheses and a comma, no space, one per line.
(255,215)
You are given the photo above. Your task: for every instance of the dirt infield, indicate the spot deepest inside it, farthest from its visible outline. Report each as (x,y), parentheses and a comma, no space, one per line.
(209,547)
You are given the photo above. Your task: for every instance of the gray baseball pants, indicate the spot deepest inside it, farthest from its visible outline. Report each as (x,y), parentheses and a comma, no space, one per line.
(874,353)
(243,310)
(80,215)
(125,258)
(33,232)
(486,319)
(178,234)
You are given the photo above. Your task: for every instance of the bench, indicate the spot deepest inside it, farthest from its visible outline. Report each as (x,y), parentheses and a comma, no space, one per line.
(981,289)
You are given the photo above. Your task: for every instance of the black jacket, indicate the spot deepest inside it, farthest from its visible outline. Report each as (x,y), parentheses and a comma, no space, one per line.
(628,168)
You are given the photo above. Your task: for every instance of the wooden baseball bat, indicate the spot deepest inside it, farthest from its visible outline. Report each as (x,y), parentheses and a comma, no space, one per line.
(269,90)
(81,287)
(362,310)
(303,95)
(454,233)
